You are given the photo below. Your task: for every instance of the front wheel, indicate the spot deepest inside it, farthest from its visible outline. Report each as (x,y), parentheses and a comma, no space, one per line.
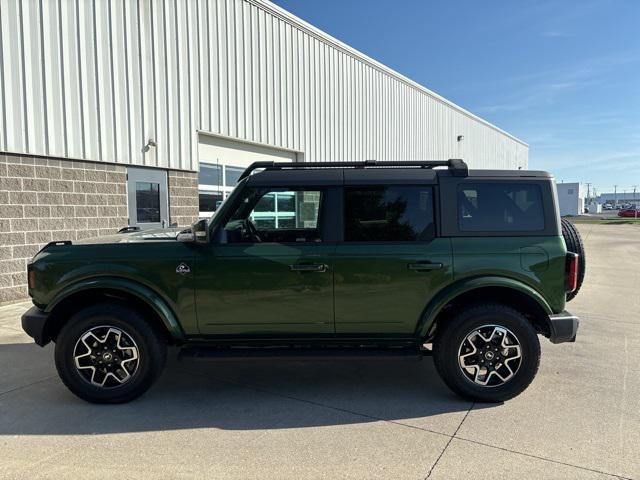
(108,353)
(487,353)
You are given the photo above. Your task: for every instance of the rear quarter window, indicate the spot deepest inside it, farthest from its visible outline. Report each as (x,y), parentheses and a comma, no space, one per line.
(500,207)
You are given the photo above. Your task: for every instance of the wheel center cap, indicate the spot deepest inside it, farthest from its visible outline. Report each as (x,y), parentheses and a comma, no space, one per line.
(489,355)
(107,357)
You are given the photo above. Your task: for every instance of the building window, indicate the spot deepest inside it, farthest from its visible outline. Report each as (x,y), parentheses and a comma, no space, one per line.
(570,191)
(210,174)
(216,182)
(232,175)
(148,202)
(210,201)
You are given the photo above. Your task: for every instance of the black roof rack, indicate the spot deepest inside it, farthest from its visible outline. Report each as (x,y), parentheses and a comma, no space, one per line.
(457,166)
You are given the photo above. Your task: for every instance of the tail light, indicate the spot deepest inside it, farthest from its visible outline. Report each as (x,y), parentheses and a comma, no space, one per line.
(573,260)
(31,277)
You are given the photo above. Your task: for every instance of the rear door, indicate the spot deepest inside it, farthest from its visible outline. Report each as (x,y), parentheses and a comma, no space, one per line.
(390,261)
(506,227)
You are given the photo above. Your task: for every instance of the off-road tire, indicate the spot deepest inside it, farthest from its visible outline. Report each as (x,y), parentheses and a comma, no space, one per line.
(150,344)
(452,334)
(573,240)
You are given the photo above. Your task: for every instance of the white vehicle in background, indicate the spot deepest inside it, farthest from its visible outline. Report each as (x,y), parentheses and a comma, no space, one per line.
(607,206)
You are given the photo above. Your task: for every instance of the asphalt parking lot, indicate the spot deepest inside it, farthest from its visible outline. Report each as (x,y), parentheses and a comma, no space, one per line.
(579,419)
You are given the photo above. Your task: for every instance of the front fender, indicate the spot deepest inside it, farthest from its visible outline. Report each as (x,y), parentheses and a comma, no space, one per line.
(144,293)
(454,290)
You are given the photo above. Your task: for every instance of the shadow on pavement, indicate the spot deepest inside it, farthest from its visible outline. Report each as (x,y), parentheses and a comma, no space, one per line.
(228,395)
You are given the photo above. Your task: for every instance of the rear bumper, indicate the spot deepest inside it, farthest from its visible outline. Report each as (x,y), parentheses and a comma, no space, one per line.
(563,327)
(34,323)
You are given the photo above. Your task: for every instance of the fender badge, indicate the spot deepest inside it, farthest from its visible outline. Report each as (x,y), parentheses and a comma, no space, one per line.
(183,269)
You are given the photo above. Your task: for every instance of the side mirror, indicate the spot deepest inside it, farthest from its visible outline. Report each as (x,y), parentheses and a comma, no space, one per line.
(186,236)
(197,233)
(199,230)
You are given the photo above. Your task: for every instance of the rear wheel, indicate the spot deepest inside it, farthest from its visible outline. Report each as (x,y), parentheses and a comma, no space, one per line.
(573,240)
(487,353)
(109,354)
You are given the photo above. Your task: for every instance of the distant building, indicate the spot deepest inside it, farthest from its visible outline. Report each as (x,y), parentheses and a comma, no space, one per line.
(620,198)
(571,198)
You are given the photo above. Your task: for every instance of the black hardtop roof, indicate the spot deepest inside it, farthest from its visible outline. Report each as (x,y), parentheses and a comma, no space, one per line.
(337,173)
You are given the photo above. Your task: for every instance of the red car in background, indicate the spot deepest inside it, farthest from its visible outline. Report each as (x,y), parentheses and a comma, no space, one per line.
(629,212)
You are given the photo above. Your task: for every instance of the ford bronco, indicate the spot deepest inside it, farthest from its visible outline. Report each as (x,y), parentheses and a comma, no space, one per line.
(332,260)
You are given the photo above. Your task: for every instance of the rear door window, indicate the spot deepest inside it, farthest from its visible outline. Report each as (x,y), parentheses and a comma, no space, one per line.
(500,207)
(388,213)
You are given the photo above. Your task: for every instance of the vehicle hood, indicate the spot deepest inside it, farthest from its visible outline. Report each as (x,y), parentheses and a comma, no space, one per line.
(147,235)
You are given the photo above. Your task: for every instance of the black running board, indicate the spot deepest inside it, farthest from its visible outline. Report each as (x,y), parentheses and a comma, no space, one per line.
(300,353)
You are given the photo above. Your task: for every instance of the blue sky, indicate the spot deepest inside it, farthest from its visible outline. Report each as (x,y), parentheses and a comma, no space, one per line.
(563,75)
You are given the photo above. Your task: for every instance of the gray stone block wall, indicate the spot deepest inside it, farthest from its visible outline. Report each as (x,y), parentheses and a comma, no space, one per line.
(183,197)
(42,200)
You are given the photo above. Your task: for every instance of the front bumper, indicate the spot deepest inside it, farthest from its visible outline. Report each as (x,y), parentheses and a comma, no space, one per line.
(563,327)
(34,323)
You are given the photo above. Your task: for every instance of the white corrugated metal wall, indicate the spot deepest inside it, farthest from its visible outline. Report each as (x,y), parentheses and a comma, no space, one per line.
(96,79)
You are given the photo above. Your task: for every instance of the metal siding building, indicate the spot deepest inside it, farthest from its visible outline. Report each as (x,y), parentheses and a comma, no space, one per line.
(141,112)
(97,79)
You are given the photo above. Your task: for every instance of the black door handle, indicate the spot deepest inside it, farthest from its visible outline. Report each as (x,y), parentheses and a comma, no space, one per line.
(308,267)
(424,266)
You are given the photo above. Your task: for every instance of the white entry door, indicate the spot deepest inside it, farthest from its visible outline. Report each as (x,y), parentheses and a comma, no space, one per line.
(147,197)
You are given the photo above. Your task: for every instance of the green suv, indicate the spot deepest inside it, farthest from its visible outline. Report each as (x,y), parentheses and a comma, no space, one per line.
(332,260)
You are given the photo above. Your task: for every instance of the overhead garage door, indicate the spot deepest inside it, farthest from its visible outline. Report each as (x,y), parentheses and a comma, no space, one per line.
(223,159)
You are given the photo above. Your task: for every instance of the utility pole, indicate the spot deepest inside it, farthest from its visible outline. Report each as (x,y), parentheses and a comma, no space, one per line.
(588,189)
(635,205)
(615,194)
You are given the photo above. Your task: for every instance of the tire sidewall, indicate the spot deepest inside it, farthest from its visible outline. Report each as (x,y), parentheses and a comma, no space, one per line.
(466,323)
(150,356)
(573,242)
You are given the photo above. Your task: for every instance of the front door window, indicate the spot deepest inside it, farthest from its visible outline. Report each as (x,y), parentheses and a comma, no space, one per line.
(270,215)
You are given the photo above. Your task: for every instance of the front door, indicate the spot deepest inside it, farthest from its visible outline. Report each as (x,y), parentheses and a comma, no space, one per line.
(390,262)
(272,273)
(147,197)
